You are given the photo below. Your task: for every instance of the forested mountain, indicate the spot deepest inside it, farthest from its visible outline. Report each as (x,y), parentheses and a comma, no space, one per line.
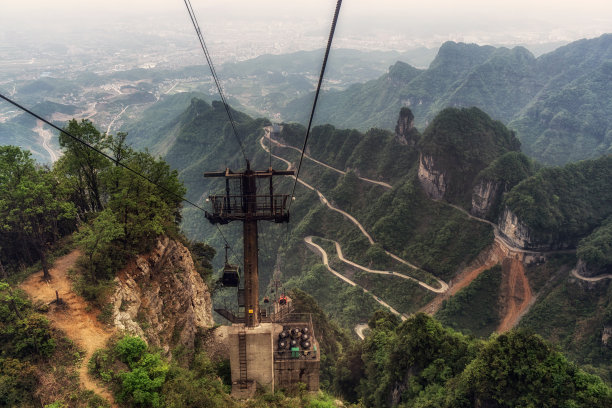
(557,102)
(385,181)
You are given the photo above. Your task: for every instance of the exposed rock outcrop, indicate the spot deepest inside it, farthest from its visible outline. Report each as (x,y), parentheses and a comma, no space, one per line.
(583,269)
(606,336)
(591,271)
(161,297)
(484,196)
(514,229)
(405,133)
(432,180)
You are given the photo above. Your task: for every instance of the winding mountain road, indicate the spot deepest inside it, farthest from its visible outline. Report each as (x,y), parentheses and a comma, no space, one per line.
(317,248)
(268,135)
(359,330)
(575,274)
(110,125)
(519,292)
(46,136)
(443,285)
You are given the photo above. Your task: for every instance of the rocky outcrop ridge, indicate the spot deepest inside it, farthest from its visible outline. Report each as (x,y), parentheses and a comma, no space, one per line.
(161,297)
(517,232)
(484,196)
(405,133)
(432,180)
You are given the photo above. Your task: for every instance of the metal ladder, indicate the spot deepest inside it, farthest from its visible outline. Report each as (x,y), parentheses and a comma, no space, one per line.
(242,358)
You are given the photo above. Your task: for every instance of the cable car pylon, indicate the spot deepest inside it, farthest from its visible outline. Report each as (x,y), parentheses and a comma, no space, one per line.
(242,202)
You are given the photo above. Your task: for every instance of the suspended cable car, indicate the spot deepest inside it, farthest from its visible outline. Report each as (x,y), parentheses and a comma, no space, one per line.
(231,277)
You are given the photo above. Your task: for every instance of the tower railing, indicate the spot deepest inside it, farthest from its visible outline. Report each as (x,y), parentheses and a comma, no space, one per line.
(238,207)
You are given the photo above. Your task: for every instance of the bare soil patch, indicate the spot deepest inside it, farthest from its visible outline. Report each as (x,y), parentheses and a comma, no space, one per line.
(494,255)
(516,291)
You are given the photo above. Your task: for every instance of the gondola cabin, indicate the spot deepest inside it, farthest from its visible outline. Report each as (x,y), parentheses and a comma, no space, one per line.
(230,277)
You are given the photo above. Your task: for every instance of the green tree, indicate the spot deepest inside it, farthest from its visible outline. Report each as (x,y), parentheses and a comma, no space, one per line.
(95,237)
(31,203)
(82,164)
(141,385)
(144,210)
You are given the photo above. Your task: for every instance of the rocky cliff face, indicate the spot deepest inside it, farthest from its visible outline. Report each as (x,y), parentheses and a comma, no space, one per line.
(432,180)
(484,196)
(514,229)
(405,133)
(161,297)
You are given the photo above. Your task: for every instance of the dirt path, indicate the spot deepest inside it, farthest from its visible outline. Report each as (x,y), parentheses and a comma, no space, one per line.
(518,293)
(80,325)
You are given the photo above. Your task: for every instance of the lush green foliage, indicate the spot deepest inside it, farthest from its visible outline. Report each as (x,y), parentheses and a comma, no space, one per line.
(474,309)
(81,165)
(23,333)
(463,142)
(563,204)
(33,208)
(418,363)
(375,154)
(521,370)
(505,172)
(140,377)
(126,212)
(596,249)
(573,314)
(140,383)
(437,237)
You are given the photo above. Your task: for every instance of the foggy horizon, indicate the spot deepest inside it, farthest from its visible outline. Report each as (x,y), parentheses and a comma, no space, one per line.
(275,27)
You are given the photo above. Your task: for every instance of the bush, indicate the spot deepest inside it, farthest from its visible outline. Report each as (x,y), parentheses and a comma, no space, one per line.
(130,349)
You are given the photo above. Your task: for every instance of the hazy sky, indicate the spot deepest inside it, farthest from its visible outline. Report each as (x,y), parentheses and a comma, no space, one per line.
(405,23)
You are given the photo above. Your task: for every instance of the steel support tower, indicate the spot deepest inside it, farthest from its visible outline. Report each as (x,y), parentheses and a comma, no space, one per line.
(249,206)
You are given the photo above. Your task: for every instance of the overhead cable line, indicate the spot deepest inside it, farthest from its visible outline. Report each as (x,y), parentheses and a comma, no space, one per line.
(314,105)
(196,26)
(117,162)
(229,246)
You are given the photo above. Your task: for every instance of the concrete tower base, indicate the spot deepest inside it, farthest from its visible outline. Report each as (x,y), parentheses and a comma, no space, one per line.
(256,361)
(252,357)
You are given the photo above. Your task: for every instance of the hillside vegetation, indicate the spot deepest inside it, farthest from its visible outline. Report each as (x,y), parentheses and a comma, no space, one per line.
(418,363)
(564,204)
